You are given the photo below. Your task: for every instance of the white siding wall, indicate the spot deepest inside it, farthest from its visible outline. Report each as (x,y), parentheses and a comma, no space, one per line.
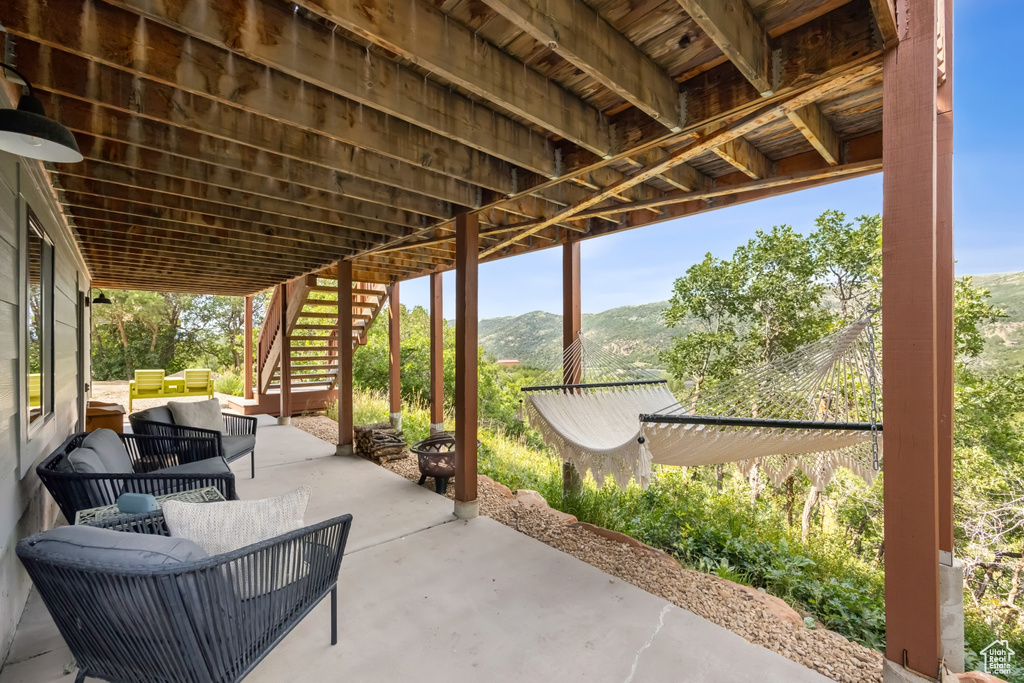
(25,506)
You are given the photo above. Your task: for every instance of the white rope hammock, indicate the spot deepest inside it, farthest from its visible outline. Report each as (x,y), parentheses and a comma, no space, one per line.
(814,409)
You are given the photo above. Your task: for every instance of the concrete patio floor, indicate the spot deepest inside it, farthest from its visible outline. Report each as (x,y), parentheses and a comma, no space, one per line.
(426,597)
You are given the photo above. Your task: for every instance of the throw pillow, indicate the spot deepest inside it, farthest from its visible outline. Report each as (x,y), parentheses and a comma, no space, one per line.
(200,414)
(111,451)
(222,527)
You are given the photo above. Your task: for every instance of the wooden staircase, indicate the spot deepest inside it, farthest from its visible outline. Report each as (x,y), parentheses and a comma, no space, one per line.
(311,340)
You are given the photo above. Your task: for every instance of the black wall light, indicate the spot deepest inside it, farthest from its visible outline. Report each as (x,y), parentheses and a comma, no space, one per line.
(27,131)
(102,299)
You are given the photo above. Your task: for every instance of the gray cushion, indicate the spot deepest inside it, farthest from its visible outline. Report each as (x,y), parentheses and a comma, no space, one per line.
(78,543)
(160,414)
(101,452)
(237,446)
(200,414)
(207,466)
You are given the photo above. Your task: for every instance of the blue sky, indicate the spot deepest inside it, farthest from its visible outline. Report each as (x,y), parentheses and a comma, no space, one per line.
(640,265)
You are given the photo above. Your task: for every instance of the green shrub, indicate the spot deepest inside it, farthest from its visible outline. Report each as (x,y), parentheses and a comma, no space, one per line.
(228,382)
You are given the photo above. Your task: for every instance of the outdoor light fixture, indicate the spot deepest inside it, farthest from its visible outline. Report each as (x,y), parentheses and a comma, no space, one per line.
(102,299)
(28,132)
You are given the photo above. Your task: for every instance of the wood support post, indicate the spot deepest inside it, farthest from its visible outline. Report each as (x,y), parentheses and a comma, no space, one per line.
(436,354)
(285,411)
(910,344)
(346,348)
(247,350)
(572,325)
(944,277)
(467,247)
(395,356)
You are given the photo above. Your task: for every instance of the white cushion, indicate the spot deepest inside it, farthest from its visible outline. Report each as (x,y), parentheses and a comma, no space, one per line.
(200,414)
(222,527)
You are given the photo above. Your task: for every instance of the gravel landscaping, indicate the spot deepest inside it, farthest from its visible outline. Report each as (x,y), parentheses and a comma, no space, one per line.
(761,619)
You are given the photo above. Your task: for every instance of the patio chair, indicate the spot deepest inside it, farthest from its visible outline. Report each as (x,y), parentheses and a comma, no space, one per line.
(110,464)
(198,383)
(150,608)
(237,440)
(147,384)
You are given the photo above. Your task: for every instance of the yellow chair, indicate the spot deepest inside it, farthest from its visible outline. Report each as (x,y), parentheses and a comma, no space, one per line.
(35,390)
(198,383)
(147,384)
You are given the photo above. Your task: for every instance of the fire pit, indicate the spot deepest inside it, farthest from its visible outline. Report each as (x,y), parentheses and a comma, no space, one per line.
(436,458)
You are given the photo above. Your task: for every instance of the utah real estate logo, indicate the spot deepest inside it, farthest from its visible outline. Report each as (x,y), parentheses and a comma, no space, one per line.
(998,656)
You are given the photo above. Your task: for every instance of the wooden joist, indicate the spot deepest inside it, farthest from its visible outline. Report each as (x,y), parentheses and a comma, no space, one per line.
(745,157)
(819,132)
(738,33)
(582,37)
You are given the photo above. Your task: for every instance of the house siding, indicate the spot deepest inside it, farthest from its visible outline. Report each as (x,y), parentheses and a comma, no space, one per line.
(25,506)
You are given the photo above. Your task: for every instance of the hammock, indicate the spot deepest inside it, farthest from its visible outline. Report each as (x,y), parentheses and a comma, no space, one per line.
(814,409)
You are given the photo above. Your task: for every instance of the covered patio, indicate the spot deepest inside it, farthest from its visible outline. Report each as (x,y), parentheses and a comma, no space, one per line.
(328,147)
(426,597)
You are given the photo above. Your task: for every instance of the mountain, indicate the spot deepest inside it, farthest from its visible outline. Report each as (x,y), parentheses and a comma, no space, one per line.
(1004,345)
(638,332)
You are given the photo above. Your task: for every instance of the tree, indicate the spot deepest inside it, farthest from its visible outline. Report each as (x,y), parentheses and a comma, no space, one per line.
(972,309)
(850,256)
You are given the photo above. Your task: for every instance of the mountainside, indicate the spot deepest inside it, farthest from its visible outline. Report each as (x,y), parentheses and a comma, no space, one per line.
(638,332)
(1004,348)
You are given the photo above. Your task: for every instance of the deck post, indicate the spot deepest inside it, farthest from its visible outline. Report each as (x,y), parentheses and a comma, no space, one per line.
(910,300)
(395,356)
(572,325)
(247,350)
(346,348)
(467,244)
(436,354)
(285,412)
(951,571)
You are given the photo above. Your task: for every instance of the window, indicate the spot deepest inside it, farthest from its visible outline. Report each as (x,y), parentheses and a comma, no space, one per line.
(39,322)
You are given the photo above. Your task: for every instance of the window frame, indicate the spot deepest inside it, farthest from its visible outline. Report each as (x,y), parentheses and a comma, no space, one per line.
(34,227)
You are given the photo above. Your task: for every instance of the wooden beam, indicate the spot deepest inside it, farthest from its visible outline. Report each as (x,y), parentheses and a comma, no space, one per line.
(583,38)
(436,353)
(395,356)
(732,26)
(247,350)
(885,17)
(416,31)
(269,97)
(745,157)
(909,345)
(819,132)
(466,342)
(341,211)
(346,435)
(236,50)
(316,162)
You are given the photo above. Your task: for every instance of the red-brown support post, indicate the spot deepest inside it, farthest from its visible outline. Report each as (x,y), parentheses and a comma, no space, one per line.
(467,246)
(346,348)
(572,325)
(247,350)
(285,411)
(909,343)
(436,354)
(944,279)
(395,356)
(572,316)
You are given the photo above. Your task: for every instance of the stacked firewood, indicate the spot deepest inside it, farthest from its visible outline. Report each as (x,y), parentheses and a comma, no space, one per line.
(380,442)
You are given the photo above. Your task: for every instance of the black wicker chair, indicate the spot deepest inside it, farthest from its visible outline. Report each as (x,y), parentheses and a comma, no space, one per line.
(238,439)
(210,620)
(76,491)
